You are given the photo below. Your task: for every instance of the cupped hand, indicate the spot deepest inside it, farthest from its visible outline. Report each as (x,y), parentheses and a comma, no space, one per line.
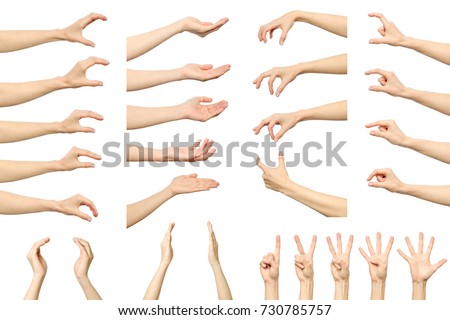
(202,29)
(81,267)
(204,72)
(195,109)
(36,260)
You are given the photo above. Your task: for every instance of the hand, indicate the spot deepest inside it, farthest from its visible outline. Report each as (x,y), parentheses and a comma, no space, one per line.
(390,33)
(275,178)
(70,161)
(284,23)
(285,120)
(270,264)
(378,261)
(83,263)
(213,251)
(304,261)
(36,260)
(72,123)
(286,74)
(73,33)
(203,72)
(386,179)
(388,130)
(389,82)
(194,152)
(76,77)
(419,262)
(166,246)
(195,110)
(71,207)
(341,260)
(201,29)
(190,183)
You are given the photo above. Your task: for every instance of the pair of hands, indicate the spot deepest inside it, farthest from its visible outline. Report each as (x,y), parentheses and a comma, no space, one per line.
(81,268)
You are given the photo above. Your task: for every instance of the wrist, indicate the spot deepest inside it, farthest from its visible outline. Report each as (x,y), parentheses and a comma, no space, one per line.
(406,93)
(180,26)
(419,290)
(164,265)
(306,289)
(182,111)
(286,187)
(61,83)
(407,42)
(57,127)
(216,266)
(59,35)
(39,276)
(403,188)
(378,288)
(341,289)
(406,142)
(300,68)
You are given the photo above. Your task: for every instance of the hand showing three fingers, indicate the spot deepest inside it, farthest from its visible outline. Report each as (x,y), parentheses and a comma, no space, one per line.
(340,265)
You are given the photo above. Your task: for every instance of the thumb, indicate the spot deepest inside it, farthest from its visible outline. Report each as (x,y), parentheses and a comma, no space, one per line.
(376,184)
(283,36)
(377,41)
(86,42)
(380,134)
(280,134)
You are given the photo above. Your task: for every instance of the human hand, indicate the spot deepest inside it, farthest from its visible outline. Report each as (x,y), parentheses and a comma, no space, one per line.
(389,83)
(194,152)
(71,207)
(388,130)
(270,264)
(203,72)
(386,179)
(286,120)
(36,260)
(284,23)
(72,123)
(201,29)
(390,33)
(71,162)
(190,183)
(275,178)
(76,77)
(340,265)
(213,250)
(166,246)
(378,261)
(419,262)
(73,33)
(286,74)
(83,263)
(195,110)
(304,261)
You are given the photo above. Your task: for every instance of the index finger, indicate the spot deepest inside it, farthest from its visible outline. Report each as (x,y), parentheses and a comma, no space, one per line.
(95,60)
(331,247)
(299,244)
(88,203)
(380,16)
(39,244)
(380,123)
(89,154)
(349,245)
(263,167)
(277,246)
(89,114)
(376,173)
(377,71)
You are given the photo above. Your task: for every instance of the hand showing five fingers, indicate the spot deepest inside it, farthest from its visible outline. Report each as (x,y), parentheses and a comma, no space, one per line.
(389,32)
(190,183)
(197,111)
(76,77)
(71,207)
(377,260)
(340,265)
(73,33)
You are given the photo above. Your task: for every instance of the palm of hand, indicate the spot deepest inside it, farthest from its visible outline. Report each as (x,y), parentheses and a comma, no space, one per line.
(421,268)
(39,265)
(378,270)
(341,273)
(270,273)
(308,271)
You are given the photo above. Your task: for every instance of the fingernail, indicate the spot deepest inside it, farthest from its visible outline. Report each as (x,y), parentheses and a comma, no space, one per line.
(281,153)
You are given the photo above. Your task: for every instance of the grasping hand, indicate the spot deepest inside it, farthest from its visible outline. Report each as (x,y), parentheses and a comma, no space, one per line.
(389,32)
(166,246)
(275,178)
(340,265)
(270,264)
(73,33)
(419,262)
(71,162)
(388,130)
(286,120)
(72,123)
(83,263)
(284,23)
(195,152)
(304,261)
(71,207)
(76,77)
(286,74)
(389,83)
(200,28)
(195,110)
(190,183)
(213,250)
(386,179)
(378,261)
(203,72)
(36,260)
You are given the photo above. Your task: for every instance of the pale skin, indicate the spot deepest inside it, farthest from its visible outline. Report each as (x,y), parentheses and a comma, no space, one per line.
(223,290)
(179,185)
(143,79)
(304,268)
(329,22)
(390,84)
(330,65)
(196,152)
(16,204)
(420,266)
(277,179)
(340,266)
(19,131)
(391,35)
(81,269)
(154,288)
(140,44)
(21,39)
(386,179)
(378,265)
(39,266)
(286,121)
(19,170)
(389,130)
(12,94)
(197,109)
(270,272)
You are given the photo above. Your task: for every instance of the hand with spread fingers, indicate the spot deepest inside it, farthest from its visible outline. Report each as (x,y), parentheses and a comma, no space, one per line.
(39,266)
(304,268)
(270,271)
(340,266)
(81,269)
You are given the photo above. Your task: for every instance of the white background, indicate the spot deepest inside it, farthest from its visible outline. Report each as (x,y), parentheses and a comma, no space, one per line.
(245,215)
